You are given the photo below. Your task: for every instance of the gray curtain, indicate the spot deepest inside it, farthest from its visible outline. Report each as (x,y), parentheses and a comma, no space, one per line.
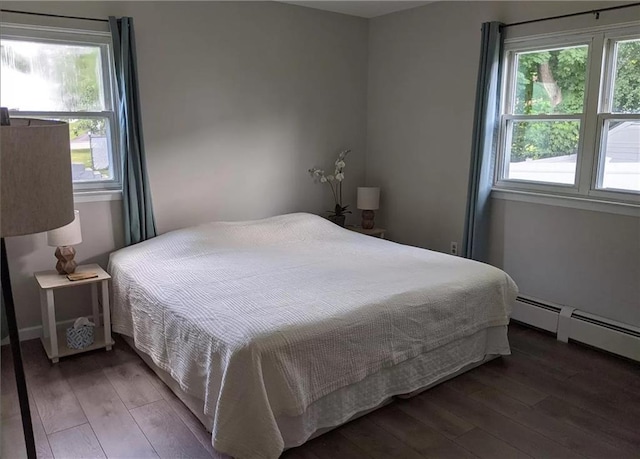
(484,144)
(139,223)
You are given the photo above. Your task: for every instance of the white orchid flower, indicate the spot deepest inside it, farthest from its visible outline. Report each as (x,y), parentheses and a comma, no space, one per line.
(343,154)
(338,175)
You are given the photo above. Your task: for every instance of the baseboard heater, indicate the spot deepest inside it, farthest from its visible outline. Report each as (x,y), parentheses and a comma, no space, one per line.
(572,324)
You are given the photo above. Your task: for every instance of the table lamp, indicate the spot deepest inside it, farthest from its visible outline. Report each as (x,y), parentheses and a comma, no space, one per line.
(64,239)
(36,195)
(368,201)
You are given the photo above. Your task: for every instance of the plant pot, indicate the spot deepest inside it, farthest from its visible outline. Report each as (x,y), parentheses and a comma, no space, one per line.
(338,219)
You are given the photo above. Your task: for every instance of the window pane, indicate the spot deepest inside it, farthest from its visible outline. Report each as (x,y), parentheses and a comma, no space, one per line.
(91,159)
(543,151)
(626,85)
(621,166)
(551,81)
(50,77)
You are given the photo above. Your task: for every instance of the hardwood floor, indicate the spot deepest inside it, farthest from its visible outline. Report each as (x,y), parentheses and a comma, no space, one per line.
(546,400)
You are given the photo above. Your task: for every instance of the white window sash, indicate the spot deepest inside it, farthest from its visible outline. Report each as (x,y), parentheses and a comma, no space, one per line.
(102,40)
(598,95)
(115,164)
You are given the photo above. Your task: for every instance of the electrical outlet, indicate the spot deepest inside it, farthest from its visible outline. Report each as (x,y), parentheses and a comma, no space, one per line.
(454,248)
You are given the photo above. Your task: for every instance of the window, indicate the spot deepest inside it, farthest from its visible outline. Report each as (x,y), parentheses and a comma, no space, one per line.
(570,120)
(619,119)
(66,75)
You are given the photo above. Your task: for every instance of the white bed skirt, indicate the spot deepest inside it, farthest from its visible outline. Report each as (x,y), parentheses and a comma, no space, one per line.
(357,399)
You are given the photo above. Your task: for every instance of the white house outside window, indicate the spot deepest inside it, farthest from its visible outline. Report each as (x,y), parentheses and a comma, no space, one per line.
(66,75)
(571,115)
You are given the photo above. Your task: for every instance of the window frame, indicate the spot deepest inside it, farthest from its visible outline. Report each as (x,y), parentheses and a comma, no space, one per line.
(598,78)
(51,35)
(605,113)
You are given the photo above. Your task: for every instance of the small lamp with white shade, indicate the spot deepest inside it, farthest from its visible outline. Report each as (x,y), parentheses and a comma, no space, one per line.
(368,201)
(64,239)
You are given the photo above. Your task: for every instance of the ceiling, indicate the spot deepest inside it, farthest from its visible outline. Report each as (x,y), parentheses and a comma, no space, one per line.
(362,8)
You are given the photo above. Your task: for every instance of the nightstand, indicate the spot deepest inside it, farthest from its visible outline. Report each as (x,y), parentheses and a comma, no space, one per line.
(376,232)
(54,338)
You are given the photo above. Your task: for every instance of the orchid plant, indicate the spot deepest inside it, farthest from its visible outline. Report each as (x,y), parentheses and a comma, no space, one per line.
(335,182)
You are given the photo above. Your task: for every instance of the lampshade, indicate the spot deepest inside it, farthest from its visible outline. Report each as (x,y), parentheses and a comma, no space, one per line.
(36,190)
(368,198)
(70,234)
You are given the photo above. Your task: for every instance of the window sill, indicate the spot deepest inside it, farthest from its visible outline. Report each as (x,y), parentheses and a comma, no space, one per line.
(95,196)
(574,202)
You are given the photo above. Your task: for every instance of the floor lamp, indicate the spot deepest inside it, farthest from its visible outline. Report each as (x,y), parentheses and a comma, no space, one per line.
(36,195)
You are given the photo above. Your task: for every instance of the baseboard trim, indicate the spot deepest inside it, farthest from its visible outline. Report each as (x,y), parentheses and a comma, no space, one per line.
(572,324)
(579,326)
(28,333)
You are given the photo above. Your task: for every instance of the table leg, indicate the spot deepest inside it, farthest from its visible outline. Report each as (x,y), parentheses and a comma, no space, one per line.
(53,333)
(94,304)
(106,313)
(43,313)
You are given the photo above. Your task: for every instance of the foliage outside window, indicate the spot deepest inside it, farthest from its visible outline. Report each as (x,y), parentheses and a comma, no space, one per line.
(567,127)
(64,75)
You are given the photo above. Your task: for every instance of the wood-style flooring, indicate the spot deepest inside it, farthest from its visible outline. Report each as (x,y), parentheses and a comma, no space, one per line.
(546,400)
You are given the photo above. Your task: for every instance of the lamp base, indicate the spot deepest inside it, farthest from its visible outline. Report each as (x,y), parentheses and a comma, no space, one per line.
(66,263)
(367,219)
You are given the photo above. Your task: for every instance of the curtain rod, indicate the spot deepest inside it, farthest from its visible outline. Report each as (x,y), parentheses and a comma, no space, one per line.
(54,15)
(596,12)
(513,24)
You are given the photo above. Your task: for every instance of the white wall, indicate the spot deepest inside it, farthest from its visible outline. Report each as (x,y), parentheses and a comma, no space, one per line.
(102,233)
(584,259)
(423,65)
(238,101)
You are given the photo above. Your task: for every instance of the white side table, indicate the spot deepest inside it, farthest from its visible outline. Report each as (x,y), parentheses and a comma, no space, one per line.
(375,232)
(54,337)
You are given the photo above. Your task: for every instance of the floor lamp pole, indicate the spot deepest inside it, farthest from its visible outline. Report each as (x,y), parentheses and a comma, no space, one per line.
(21,382)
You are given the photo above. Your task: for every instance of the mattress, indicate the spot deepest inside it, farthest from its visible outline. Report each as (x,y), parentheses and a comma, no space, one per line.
(264,318)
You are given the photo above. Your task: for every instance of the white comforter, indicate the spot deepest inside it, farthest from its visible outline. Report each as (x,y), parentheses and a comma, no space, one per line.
(262,318)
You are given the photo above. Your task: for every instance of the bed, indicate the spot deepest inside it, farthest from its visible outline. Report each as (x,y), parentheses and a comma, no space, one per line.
(276,330)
